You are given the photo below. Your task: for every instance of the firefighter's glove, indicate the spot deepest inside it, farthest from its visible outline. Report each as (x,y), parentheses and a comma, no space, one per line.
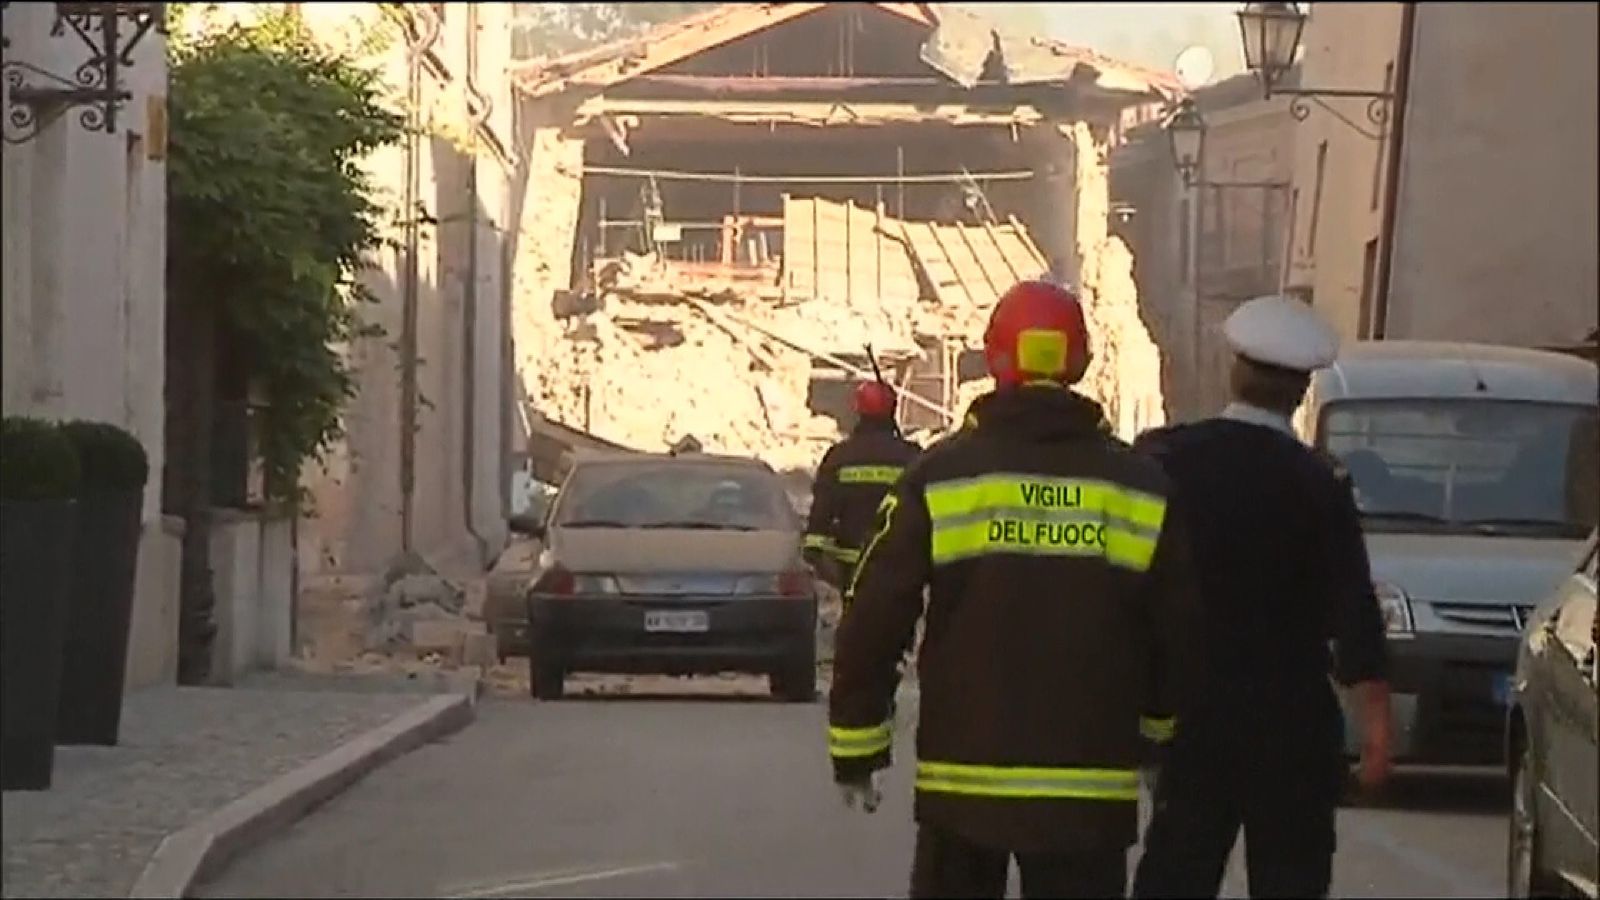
(814,558)
(863,793)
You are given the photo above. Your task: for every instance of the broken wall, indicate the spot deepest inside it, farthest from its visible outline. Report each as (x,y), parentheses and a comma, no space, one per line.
(1071,219)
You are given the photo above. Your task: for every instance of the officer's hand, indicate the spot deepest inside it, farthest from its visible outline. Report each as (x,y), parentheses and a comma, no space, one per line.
(1376,763)
(863,793)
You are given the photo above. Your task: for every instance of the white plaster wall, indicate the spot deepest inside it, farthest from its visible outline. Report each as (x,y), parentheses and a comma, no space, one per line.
(1495,233)
(235,575)
(251,559)
(275,594)
(152,635)
(84,260)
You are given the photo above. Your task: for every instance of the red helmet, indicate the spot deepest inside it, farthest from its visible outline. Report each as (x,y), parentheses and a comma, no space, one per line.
(874,398)
(1036,333)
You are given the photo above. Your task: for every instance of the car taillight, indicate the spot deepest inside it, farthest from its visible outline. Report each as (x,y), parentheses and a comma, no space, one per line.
(795,583)
(556,580)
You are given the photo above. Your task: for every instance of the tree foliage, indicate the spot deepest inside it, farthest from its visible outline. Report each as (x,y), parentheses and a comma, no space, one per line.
(271,216)
(548,29)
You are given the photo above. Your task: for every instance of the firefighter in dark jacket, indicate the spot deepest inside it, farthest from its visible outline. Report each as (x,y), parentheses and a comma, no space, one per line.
(852,479)
(1283,571)
(1058,615)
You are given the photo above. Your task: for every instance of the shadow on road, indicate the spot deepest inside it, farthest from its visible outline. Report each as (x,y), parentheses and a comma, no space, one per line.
(1470,792)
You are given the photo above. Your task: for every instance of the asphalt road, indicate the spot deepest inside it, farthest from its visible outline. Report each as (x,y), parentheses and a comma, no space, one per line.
(633,795)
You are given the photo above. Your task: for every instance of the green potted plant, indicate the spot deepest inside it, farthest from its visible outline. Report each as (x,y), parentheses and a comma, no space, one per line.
(100,601)
(39,479)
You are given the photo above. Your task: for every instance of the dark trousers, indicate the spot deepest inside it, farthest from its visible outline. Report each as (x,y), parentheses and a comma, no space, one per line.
(1285,803)
(948,865)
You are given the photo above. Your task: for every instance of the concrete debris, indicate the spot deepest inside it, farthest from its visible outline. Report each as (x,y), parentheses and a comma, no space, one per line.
(1125,374)
(747,357)
(417,590)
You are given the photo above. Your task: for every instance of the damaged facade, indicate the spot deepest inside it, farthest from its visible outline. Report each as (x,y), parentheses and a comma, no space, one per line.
(725,214)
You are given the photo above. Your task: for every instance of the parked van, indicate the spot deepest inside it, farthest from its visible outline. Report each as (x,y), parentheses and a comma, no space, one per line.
(1474,469)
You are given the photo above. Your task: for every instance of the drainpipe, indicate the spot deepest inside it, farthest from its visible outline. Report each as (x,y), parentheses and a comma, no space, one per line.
(410,276)
(469,298)
(1391,194)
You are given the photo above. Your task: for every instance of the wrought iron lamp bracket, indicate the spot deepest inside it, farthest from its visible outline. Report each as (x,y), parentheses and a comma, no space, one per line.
(1377,111)
(37,97)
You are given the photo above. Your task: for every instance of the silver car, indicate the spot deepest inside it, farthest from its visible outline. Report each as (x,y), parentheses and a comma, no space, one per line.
(1474,472)
(1551,735)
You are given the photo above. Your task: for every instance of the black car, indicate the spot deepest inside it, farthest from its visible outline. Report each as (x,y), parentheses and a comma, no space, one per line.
(1550,742)
(676,565)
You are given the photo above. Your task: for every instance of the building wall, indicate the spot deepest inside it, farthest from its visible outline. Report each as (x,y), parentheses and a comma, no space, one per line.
(1225,244)
(84,260)
(1495,233)
(459,479)
(1338,169)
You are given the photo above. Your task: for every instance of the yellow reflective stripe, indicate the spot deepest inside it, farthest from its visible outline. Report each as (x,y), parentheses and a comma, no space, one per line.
(857,742)
(845,554)
(869,474)
(1158,730)
(817,542)
(1043,515)
(1028,781)
(886,508)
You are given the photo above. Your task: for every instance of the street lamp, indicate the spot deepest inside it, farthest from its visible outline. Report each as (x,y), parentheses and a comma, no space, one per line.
(1271,33)
(1186,136)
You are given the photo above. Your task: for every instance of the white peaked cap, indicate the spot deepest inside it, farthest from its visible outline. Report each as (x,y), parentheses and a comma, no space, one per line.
(1281,331)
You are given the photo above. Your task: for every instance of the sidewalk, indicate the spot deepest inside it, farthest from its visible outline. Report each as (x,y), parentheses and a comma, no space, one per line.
(185,753)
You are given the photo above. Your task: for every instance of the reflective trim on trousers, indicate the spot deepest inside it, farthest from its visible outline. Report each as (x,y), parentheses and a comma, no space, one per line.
(1028,782)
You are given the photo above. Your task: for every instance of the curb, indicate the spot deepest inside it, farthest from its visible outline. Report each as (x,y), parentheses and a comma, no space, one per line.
(202,848)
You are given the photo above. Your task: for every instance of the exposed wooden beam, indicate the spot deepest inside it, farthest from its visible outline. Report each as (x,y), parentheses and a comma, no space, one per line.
(810,112)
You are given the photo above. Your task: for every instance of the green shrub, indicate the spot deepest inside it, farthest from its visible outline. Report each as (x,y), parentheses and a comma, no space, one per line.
(37,461)
(110,458)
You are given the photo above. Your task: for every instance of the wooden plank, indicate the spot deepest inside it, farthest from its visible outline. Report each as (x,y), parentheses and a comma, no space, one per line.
(849,257)
(993,275)
(1027,241)
(994,238)
(956,266)
(941,277)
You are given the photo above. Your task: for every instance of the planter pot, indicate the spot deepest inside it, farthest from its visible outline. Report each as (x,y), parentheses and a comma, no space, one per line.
(35,575)
(99,612)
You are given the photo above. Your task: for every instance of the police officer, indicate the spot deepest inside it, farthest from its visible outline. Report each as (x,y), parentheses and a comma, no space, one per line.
(852,479)
(1283,571)
(1058,612)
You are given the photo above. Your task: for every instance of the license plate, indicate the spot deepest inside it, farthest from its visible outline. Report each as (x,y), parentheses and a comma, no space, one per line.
(675,621)
(1502,689)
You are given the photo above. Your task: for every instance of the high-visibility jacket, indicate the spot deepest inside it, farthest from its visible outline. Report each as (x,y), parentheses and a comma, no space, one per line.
(851,481)
(1059,624)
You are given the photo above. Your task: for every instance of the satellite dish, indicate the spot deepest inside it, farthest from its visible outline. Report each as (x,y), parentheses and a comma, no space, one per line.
(1194,66)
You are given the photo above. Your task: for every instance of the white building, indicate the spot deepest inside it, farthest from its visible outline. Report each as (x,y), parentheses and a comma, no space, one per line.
(84,224)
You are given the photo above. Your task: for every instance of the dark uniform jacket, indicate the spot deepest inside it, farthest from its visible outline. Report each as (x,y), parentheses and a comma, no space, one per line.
(1282,571)
(851,481)
(1058,613)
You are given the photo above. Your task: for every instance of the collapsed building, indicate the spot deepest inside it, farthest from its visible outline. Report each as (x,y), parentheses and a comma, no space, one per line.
(734,217)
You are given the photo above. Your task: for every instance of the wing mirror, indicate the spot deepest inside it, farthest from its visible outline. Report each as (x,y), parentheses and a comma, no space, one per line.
(528,524)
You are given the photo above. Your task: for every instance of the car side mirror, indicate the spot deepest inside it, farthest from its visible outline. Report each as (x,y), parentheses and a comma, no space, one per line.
(527,524)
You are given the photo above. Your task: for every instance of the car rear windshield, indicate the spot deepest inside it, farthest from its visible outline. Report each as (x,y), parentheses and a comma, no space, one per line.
(1469,465)
(673,495)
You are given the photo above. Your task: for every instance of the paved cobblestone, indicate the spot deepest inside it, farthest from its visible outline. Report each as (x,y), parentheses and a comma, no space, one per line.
(184,753)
